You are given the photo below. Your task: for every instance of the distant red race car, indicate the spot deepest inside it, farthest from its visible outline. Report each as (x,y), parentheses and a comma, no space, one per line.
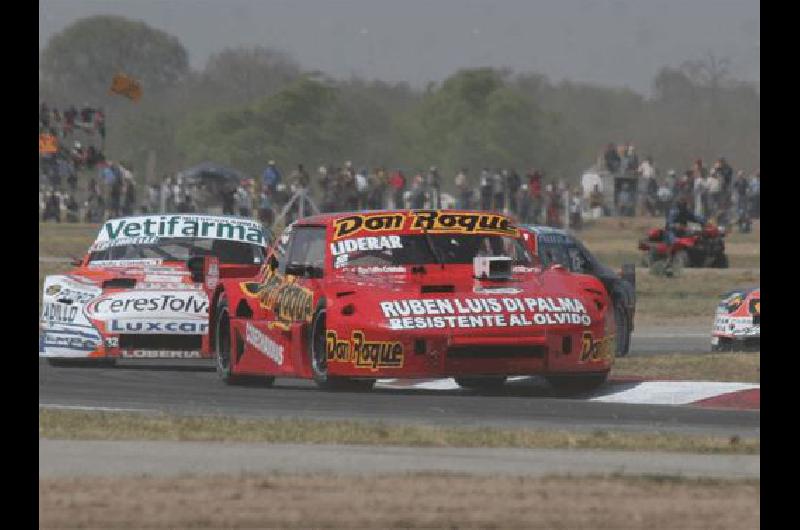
(347,298)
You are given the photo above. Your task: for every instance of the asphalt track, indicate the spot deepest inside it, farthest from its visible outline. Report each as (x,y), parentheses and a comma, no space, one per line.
(191,389)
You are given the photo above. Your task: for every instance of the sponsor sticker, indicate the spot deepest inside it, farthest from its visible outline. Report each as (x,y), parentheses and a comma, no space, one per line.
(159,354)
(148,304)
(351,224)
(139,229)
(260,341)
(483,312)
(363,353)
(280,294)
(59,313)
(175,327)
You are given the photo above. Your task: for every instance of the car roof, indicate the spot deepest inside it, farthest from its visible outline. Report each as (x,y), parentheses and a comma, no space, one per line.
(540,229)
(187,215)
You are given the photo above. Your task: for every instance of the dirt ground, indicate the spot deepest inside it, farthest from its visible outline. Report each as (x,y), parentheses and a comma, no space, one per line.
(411,500)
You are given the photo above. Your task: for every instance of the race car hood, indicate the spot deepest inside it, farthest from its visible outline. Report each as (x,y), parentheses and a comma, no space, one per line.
(451,297)
(142,274)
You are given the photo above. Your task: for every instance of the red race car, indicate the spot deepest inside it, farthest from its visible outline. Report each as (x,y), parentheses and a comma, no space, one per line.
(138,292)
(347,298)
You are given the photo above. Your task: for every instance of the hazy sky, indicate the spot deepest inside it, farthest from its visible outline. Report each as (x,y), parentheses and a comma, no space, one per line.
(611,42)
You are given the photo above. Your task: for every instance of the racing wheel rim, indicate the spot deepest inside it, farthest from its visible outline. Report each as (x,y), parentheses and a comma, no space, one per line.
(319,359)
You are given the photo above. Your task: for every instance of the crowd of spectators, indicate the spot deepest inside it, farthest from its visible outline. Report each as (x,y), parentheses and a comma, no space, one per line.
(718,193)
(640,187)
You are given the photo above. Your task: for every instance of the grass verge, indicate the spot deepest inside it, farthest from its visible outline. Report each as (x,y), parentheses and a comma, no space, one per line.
(738,367)
(86,425)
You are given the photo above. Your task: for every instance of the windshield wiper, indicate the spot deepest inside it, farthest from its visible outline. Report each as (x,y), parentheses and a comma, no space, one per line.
(432,247)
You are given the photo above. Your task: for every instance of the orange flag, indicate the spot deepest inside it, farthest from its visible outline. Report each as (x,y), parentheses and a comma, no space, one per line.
(126,86)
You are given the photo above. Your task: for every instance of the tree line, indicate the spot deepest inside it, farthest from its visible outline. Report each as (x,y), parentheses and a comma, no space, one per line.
(251,105)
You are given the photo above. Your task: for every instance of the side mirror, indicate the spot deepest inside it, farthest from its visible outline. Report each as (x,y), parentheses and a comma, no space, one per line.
(195,266)
(272,262)
(75,262)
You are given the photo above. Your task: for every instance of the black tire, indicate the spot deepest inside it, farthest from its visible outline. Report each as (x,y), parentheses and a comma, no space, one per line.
(721,262)
(576,384)
(623,329)
(223,349)
(723,345)
(482,384)
(82,363)
(222,341)
(681,260)
(319,359)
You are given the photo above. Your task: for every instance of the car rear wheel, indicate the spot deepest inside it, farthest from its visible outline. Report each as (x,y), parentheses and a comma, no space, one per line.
(224,348)
(482,384)
(319,360)
(577,384)
(623,329)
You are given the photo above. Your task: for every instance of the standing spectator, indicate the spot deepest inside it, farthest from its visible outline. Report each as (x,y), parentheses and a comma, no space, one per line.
(632,158)
(575,209)
(417,198)
(462,190)
(486,190)
(69,119)
(52,208)
(398,184)
(626,201)
(243,200)
(266,214)
(524,203)
(72,208)
(376,185)
(740,187)
(647,174)
(271,177)
(498,190)
(754,193)
(713,189)
(44,115)
(535,190)
(227,196)
(115,193)
(552,214)
(434,184)
(362,186)
(700,195)
(129,196)
(664,196)
(299,179)
(513,182)
(612,158)
(726,175)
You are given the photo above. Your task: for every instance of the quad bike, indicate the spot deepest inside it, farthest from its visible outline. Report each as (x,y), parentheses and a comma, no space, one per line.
(692,247)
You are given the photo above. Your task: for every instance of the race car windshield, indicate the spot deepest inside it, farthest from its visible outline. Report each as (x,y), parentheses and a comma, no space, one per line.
(415,249)
(183,248)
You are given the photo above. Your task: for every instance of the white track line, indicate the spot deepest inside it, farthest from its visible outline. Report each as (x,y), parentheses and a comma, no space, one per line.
(672,392)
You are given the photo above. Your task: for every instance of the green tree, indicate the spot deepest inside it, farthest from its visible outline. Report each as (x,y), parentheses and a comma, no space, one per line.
(82,59)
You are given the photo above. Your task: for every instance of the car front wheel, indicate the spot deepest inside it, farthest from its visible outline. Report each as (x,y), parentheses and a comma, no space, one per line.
(319,360)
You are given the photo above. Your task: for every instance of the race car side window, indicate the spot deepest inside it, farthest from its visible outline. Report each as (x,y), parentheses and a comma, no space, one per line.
(279,250)
(307,252)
